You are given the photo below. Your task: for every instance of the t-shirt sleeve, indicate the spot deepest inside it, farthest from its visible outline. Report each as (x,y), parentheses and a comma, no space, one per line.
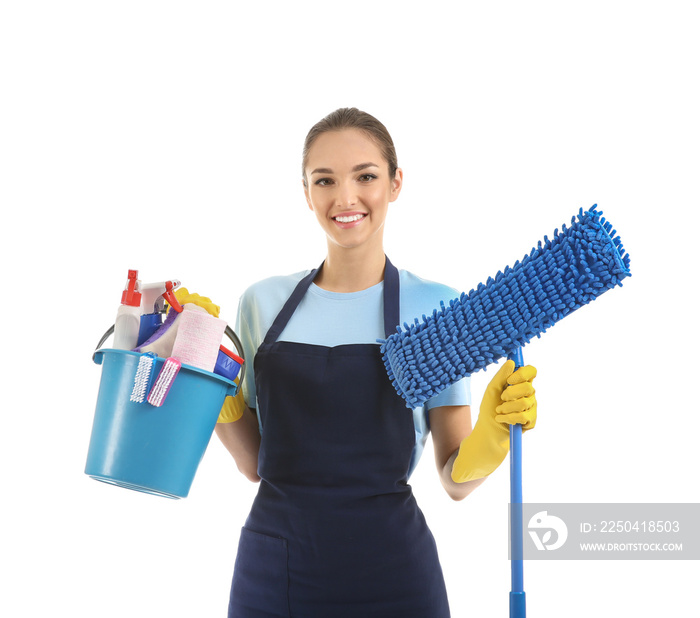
(457,394)
(250,347)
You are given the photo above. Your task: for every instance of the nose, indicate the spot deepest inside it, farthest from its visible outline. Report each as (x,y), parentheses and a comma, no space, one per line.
(346,196)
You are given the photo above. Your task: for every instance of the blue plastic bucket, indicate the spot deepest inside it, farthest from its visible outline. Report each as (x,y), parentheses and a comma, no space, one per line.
(152,449)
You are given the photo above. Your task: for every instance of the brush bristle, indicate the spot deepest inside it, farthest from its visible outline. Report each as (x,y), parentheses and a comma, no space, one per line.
(558,276)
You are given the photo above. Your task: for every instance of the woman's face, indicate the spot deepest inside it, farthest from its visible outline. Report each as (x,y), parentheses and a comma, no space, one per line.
(349,188)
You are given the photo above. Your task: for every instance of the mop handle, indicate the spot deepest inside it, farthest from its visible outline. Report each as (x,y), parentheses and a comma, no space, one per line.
(517,593)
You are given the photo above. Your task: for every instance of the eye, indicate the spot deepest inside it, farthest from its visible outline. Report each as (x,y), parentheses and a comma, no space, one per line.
(367,177)
(323,182)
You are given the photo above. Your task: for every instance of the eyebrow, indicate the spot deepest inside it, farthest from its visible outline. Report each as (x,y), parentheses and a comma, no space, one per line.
(357,168)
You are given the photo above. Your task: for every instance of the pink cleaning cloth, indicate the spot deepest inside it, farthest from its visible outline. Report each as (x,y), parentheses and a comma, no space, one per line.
(161,342)
(198,339)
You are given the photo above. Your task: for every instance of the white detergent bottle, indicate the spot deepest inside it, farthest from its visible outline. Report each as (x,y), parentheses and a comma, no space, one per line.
(128,322)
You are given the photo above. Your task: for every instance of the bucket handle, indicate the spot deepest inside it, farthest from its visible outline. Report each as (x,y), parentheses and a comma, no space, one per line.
(229,332)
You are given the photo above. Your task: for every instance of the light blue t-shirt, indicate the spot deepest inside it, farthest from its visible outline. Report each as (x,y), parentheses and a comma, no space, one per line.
(335,318)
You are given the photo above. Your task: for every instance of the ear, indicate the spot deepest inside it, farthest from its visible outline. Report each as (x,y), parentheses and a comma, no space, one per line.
(396,185)
(306,194)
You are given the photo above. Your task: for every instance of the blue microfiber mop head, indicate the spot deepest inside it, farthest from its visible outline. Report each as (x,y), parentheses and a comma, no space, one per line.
(560,275)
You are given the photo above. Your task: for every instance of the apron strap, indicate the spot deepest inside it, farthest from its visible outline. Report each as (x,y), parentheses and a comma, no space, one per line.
(392,314)
(391,302)
(289,307)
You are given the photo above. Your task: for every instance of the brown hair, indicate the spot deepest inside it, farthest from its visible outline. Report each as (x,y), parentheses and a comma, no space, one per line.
(352,118)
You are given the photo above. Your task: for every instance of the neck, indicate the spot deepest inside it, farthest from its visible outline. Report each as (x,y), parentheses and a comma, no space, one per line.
(351,270)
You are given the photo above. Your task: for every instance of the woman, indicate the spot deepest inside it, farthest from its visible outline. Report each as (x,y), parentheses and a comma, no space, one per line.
(335,529)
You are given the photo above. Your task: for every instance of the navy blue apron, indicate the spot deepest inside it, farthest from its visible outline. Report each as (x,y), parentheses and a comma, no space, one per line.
(334,530)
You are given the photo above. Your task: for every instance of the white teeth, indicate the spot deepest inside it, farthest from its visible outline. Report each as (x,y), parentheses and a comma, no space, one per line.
(348,219)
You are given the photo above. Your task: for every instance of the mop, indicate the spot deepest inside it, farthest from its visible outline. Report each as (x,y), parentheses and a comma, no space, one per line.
(496,320)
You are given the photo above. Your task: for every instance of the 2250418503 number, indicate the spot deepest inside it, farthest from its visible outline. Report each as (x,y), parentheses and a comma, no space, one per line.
(639,526)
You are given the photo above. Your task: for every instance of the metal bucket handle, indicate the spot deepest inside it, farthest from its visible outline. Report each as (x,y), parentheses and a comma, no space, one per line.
(229,332)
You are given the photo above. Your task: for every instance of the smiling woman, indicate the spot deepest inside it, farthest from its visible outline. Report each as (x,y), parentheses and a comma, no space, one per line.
(350,199)
(335,529)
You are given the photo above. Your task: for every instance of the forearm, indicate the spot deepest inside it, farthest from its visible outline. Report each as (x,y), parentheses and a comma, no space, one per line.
(449,426)
(242,439)
(457,491)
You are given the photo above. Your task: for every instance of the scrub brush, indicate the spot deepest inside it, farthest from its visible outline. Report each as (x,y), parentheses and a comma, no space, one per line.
(165,380)
(143,377)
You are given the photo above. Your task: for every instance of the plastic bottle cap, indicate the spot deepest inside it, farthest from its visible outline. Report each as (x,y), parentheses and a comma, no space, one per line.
(131,295)
(230,354)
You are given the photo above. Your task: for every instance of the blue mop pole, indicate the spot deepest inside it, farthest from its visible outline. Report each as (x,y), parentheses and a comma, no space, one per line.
(517,592)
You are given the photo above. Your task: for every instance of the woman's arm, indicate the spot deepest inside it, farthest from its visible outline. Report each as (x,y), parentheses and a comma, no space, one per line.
(242,439)
(449,426)
(469,455)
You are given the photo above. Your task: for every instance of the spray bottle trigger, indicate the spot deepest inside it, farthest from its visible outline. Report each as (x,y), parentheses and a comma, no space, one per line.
(169,295)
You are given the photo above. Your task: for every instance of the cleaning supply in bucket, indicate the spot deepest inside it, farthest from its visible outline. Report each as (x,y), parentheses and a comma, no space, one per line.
(153,307)
(143,378)
(228,364)
(154,295)
(164,382)
(128,322)
(499,317)
(198,339)
(163,340)
(185,297)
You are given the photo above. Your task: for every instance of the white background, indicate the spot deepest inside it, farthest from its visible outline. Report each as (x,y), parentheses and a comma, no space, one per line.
(166,136)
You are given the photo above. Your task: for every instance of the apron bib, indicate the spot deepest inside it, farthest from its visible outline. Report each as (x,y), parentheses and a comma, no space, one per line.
(334,530)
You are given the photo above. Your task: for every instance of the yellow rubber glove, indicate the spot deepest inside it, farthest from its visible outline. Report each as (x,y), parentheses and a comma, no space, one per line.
(183,297)
(233,407)
(509,399)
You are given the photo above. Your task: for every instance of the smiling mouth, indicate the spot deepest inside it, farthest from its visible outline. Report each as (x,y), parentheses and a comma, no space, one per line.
(349,219)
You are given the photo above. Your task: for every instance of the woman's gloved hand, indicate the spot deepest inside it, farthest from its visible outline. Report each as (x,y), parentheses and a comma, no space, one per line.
(509,399)
(233,407)
(184,297)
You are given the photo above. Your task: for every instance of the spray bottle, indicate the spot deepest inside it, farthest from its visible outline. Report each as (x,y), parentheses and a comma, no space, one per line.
(126,326)
(153,306)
